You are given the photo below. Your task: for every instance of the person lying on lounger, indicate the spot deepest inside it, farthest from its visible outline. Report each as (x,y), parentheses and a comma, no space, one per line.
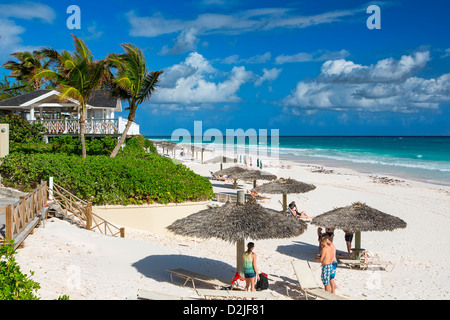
(224,178)
(294,212)
(257,196)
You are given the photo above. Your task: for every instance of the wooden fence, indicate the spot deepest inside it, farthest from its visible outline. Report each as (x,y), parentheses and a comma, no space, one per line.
(80,212)
(24,215)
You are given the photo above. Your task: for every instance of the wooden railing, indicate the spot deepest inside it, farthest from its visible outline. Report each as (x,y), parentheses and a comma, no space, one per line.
(72,126)
(21,217)
(80,212)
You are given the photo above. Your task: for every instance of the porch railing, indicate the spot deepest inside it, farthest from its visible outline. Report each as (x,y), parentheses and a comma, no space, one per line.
(72,126)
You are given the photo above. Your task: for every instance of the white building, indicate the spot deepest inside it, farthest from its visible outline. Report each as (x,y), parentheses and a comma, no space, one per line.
(61,118)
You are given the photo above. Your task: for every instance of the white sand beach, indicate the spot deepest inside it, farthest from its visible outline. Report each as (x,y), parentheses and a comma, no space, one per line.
(83,264)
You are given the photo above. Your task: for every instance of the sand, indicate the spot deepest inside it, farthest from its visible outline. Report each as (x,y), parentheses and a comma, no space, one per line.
(83,264)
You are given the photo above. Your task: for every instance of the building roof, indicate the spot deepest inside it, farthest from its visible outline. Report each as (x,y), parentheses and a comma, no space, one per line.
(100,99)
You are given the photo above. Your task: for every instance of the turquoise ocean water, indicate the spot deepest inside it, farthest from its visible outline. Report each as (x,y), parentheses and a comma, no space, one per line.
(418,158)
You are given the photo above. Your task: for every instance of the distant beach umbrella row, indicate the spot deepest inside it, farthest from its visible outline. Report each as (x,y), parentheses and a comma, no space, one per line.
(235,222)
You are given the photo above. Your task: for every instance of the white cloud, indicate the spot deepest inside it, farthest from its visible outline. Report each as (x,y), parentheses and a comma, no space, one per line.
(386,70)
(10,31)
(268,75)
(320,55)
(27,11)
(388,85)
(232,24)
(258,59)
(191,82)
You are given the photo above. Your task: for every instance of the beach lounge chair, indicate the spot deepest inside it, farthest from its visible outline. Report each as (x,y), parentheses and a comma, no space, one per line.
(226,197)
(192,276)
(218,178)
(364,265)
(152,295)
(235,294)
(308,284)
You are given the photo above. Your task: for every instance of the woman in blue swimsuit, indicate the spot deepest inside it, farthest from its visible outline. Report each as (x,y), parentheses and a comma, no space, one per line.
(250,269)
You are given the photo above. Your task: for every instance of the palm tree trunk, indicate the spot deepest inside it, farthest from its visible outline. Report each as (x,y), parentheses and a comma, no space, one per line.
(124,133)
(82,131)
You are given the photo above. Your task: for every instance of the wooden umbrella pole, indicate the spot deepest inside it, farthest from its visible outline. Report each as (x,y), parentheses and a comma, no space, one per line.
(240,244)
(357,245)
(284,203)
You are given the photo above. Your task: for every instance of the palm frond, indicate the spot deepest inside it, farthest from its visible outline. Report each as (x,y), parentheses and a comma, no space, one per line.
(149,86)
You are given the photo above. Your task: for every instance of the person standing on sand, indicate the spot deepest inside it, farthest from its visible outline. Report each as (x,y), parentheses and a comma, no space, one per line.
(250,268)
(334,264)
(348,239)
(326,258)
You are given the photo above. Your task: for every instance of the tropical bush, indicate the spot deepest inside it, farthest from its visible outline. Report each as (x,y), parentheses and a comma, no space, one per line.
(14,285)
(102,180)
(94,146)
(22,131)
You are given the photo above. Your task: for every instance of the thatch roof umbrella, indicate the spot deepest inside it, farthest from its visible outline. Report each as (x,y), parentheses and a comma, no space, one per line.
(230,171)
(358,217)
(284,187)
(236,222)
(253,175)
(220,159)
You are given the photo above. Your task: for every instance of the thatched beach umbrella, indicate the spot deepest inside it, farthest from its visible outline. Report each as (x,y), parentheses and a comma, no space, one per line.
(220,159)
(284,187)
(230,171)
(236,222)
(253,175)
(358,217)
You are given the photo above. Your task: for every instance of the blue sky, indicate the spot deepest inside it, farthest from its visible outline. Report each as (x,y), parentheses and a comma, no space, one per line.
(303,67)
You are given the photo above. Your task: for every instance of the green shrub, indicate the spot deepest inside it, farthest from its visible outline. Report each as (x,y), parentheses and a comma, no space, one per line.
(22,131)
(14,285)
(94,146)
(104,180)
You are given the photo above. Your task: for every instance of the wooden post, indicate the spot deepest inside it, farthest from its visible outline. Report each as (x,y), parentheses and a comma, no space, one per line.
(9,223)
(122,232)
(50,186)
(89,216)
(240,244)
(284,203)
(358,245)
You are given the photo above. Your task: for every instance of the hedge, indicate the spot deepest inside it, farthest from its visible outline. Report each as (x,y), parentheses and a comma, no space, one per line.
(104,180)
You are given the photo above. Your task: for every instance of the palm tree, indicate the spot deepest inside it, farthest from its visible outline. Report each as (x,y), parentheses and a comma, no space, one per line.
(26,67)
(77,77)
(133,82)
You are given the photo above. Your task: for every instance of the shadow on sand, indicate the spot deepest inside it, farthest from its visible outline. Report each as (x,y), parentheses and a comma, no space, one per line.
(155,267)
(299,250)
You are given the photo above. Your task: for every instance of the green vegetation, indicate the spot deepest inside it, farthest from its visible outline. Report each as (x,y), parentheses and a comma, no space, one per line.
(14,285)
(133,177)
(103,180)
(22,131)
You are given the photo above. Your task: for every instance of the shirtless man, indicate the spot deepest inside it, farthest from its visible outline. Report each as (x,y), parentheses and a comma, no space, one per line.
(334,263)
(326,258)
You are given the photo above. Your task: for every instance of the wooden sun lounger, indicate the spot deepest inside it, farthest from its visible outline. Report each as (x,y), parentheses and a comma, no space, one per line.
(235,294)
(308,284)
(192,276)
(365,265)
(224,197)
(152,295)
